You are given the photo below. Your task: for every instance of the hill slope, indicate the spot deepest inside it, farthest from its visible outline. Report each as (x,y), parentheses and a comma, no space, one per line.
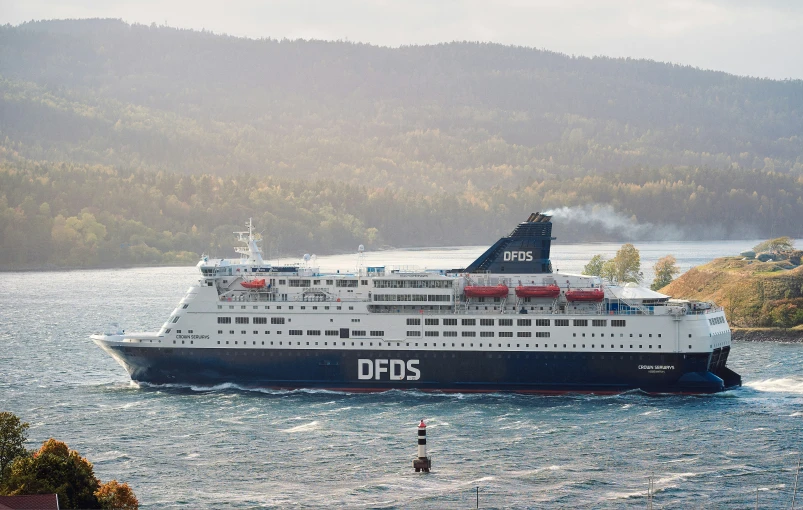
(753,293)
(425,117)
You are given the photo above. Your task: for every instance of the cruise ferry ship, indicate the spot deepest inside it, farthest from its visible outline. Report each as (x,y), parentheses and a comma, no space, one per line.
(505,323)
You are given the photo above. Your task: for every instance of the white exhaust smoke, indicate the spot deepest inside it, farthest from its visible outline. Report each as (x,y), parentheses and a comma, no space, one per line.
(603,216)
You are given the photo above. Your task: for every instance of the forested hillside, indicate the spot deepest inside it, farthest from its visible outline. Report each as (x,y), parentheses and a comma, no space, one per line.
(133,144)
(426,117)
(87,216)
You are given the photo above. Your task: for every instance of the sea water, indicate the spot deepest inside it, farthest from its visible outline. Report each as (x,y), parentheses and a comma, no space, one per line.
(228,447)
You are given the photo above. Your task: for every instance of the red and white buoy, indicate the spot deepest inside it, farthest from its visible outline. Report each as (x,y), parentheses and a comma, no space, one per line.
(422,463)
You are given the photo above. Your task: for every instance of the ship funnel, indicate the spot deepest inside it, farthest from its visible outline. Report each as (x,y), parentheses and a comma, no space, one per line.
(523,251)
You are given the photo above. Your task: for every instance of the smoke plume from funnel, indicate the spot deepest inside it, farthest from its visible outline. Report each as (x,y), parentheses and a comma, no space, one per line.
(603,216)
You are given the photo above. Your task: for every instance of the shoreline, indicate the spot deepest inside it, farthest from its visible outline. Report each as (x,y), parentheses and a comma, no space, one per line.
(777,335)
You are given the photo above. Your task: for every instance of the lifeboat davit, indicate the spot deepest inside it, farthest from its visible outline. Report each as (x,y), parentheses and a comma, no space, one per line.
(254,284)
(585,295)
(538,291)
(486,290)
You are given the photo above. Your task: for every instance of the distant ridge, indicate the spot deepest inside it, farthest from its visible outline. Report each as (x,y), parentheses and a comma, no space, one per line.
(103,91)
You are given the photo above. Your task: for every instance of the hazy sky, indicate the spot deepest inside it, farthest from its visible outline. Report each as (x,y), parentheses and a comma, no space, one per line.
(756,38)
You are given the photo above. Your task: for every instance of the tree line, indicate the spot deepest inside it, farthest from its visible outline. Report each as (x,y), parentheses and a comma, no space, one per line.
(71,215)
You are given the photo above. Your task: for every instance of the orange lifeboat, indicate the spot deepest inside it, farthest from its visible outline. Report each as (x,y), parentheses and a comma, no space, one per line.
(538,291)
(254,284)
(486,291)
(585,295)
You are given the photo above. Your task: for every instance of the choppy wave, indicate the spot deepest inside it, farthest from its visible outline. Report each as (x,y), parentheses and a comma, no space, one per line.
(780,385)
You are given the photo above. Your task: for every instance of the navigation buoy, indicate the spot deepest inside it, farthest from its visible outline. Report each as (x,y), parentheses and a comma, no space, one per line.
(422,463)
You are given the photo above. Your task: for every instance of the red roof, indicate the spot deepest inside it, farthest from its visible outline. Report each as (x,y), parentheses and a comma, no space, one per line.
(32,502)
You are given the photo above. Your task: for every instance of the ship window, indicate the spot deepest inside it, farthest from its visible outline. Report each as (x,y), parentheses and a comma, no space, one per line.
(650,335)
(616,323)
(290,307)
(351,308)
(486,322)
(260,320)
(219,307)
(428,322)
(414,322)
(524,322)
(256,332)
(339,307)
(486,333)
(227,342)
(242,331)
(241,320)
(621,346)
(690,347)
(542,322)
(650,346)
(523,334)
(659,335)
(231,307)
(303,307)
(505,322)
(231,331)
(175,320)
(659,346)
(581,322)
(599,322)
(640,347)
(469,322)
(561,322)
(218,342)
(185,306)
(574,334)
(639,335)
(219,332)
(689,335)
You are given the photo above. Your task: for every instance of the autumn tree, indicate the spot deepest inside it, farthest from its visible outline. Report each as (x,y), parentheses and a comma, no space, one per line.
(12,440)
(594,266)
(55,469)
(624,267)
(775,245)
(116,496)
(665,270)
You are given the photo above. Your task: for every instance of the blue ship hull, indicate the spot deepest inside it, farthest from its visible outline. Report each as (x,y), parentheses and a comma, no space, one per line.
(430,370)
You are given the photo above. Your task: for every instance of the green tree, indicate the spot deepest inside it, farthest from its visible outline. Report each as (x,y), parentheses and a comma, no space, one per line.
(594,266)
(624,267)
(665,270)
(12,440)
(54,468)
(775,245)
